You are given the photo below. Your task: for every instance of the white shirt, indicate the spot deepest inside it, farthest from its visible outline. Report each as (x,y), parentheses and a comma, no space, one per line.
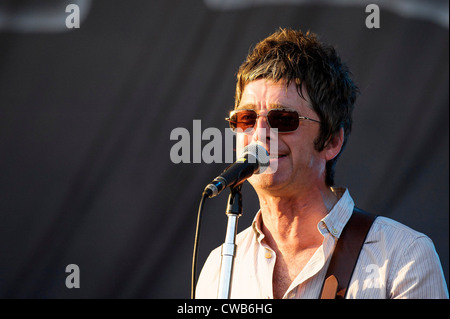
(395,262)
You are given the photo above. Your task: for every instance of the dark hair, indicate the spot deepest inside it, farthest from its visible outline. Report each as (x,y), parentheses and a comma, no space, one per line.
(290,55)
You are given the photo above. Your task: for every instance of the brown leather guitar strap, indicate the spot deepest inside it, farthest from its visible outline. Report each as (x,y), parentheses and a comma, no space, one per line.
(346,254)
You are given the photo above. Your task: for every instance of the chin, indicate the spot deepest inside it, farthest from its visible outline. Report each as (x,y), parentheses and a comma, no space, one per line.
(268,181)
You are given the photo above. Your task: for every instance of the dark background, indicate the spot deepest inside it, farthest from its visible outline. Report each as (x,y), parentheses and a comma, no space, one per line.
(86,116)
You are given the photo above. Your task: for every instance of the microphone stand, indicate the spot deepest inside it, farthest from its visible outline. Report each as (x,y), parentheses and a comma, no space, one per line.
(234,211)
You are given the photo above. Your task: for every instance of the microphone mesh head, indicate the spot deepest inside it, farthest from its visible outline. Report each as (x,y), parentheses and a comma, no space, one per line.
(261,155)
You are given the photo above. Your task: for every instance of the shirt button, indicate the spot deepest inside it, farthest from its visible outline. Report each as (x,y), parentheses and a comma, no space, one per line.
(268,254)
(334,231)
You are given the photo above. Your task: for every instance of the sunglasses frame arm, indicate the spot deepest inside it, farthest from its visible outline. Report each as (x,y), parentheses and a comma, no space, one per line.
(307,118)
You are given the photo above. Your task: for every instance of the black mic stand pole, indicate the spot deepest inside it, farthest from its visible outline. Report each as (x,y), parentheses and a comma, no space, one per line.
(234,211)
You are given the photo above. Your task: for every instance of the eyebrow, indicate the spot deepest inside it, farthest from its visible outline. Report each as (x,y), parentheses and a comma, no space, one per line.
(251,106)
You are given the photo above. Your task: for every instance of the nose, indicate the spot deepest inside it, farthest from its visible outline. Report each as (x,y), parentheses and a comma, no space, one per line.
(262,130)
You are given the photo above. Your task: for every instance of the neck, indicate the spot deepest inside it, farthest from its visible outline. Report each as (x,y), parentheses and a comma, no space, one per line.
(291,222)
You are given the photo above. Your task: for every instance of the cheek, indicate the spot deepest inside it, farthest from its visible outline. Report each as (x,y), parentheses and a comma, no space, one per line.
(304,154)
(314,162)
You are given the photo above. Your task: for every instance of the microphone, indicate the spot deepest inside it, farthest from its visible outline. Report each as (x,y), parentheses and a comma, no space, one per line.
(253,160)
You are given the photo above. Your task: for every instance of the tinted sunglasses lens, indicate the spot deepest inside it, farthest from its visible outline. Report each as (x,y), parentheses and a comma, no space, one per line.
(243,120)
(284,121)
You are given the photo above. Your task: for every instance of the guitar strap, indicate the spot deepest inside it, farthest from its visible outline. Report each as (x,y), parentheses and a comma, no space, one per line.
(346,254)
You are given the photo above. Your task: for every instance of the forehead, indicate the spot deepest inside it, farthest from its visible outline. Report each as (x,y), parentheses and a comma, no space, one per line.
(266,94)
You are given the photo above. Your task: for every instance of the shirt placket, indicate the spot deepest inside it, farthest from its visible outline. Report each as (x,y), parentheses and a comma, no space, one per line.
(267,258)
(314,266)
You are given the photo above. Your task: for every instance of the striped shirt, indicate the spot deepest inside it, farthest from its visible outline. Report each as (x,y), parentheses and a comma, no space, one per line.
(395,262)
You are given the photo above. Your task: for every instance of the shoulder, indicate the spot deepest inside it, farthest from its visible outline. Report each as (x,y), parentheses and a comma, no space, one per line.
(406,259)
(387,229)
(399,240)
(398,246)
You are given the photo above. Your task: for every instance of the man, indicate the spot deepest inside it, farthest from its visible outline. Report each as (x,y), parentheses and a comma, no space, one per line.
(295,84)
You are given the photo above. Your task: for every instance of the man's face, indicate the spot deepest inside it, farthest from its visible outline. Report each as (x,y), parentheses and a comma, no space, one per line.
(298,164)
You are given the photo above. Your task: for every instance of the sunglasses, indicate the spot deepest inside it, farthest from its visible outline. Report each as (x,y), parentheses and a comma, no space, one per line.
(283,120)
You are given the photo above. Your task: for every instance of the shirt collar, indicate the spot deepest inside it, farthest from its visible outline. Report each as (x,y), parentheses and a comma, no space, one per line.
(256,224)
(333,223)
(338,216)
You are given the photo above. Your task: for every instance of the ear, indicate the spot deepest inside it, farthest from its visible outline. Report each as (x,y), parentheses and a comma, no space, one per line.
(334,145)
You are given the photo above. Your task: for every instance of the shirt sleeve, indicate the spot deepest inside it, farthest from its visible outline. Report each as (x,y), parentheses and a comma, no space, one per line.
(418,273)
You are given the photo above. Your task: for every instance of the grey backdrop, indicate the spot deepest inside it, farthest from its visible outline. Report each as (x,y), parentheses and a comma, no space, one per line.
(86,116)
